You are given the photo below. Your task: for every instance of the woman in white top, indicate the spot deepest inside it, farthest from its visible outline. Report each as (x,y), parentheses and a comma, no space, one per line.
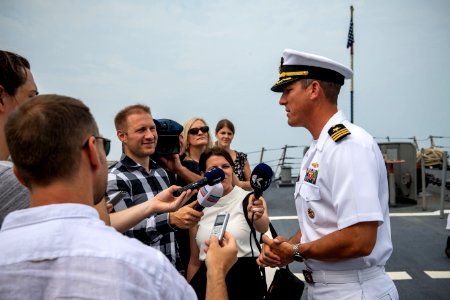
(244,280)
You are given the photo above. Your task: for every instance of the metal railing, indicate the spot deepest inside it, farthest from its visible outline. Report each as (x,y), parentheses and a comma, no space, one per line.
(290,156)
(416,141)
(276,158)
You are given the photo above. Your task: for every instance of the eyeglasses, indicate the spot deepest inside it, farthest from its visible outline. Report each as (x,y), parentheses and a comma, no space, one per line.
(195,131)
(106,143)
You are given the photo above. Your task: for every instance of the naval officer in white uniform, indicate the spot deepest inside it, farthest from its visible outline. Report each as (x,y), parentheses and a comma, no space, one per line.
(341,195)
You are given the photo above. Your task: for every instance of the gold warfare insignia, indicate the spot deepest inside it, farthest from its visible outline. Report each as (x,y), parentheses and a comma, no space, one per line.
(281,64)
(338,132)
(311,213)
(315,164)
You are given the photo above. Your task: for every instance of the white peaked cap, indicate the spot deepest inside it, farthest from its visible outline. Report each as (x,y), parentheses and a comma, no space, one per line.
(297,65)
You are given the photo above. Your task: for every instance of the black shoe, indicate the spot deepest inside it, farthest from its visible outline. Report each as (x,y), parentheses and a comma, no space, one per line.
(447,250)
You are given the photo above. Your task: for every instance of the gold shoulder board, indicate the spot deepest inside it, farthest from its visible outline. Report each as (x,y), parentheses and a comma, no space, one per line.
(338,132)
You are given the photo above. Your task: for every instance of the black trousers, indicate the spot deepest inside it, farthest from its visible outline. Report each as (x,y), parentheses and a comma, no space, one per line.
(244,281)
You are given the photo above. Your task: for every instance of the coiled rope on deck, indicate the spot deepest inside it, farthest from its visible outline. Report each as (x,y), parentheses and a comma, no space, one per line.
(432,156)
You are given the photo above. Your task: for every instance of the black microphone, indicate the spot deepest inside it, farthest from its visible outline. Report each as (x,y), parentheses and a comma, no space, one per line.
(260,179)
(212,177)
(208,196)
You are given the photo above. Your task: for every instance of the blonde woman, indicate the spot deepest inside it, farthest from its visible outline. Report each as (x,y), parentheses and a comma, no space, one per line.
(196,138)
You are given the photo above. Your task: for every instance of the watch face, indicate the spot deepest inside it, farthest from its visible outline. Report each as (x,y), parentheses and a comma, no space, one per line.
(298,258)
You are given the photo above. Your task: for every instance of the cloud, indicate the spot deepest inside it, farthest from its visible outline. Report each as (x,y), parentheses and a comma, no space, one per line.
(219,58)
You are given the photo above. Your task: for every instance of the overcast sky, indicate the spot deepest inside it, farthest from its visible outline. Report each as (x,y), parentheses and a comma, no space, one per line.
(218,59)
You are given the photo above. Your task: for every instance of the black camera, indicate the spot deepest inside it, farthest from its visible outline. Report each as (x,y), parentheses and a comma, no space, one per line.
(168,137)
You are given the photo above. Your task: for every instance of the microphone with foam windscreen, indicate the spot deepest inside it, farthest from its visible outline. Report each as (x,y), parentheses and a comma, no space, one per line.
(260,179)
(212,177)
(208,196)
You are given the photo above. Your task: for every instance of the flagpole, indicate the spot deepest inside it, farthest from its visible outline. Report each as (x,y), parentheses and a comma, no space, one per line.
(351,62)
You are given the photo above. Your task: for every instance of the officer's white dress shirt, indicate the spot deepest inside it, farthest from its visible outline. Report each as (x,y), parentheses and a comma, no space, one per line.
(350,187)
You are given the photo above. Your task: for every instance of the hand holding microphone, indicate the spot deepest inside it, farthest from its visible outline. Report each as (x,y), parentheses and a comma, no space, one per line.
(190,215)
(260,179)
(255,207)
(211,178)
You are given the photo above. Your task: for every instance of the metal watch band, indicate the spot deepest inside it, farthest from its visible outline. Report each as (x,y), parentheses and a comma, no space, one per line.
(297,256)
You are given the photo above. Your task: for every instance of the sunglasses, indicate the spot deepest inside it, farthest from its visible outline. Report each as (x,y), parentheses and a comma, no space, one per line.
(195,131)
(106,143)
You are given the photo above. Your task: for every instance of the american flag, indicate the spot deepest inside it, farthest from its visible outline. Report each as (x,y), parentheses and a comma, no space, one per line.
(350,39)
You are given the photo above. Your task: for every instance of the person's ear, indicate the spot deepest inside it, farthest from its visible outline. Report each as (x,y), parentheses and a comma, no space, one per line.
(2,92)
(122,136)
(314,89)
(19,178)
(92,151)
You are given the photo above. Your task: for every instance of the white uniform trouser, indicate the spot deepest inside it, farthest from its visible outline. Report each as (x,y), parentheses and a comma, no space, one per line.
(448,221)
(371,283)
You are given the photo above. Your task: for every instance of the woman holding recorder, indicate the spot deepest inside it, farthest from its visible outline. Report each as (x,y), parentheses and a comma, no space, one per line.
(244,280)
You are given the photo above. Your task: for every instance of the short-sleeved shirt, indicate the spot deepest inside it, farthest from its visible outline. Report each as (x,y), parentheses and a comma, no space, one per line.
(341,184)
(64,251)
(141,186)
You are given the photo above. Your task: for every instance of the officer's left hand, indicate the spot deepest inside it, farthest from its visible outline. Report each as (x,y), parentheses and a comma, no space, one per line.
(267,258)
(276,252)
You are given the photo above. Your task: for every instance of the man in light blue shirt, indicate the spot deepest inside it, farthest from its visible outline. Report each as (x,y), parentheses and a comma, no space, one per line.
(58,248)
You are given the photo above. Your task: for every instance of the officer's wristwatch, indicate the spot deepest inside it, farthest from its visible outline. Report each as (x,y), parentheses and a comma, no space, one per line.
(297,256)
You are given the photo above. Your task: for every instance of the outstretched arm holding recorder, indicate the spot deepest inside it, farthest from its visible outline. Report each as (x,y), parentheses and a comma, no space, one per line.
(219,260)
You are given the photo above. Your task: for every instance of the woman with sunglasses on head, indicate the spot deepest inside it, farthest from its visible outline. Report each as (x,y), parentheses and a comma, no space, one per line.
(224,135)
(244,280)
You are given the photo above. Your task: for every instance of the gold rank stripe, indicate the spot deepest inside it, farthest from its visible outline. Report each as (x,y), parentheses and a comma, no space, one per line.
(340,133)
(283,80)
(290,74)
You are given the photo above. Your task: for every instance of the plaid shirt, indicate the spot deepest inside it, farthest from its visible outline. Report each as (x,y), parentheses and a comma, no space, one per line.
(141,186)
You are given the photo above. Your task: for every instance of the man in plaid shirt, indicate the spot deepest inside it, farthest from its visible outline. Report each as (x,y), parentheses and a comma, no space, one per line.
(142,179)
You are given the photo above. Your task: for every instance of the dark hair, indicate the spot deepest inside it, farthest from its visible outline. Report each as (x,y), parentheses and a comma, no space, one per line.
(224,123)
(214,151)
(12,71)
(330,89)
(45,136)
(120,121)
